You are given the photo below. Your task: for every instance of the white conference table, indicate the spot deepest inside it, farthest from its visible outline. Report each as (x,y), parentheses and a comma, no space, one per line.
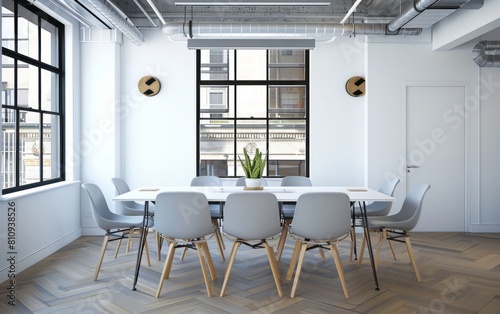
(283,194)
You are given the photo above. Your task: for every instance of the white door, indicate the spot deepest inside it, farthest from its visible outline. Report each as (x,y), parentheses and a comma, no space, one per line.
(435,153)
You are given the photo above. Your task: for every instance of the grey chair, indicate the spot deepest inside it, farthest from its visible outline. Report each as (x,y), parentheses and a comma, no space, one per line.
(320,220)
(288,209)
(183,219)
(250,217)
(215,208)
(117,227)
(396,227)
(373,209)
(129,208)
(241,182)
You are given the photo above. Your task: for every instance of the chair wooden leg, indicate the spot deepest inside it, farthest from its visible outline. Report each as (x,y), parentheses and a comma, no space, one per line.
(147,252)
(103,251)
(302,254)
(159,243)
(340,269)
(166,268)
(204,270)
(210,263)
(293,261)
(282,239)
(412,258)
(119,244)
(322,254)
(274,268)
(170,258)
(220,241)
(382,237)
(230,263)
(361,251)
(392,248)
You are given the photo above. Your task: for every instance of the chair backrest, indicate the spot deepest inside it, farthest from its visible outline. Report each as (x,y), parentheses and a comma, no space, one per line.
(409,214)
(251,216)
(100,210)
(241,182)
(206,181)
(183,215)
(296,181)
(125,207)
(387,187)
(322,216)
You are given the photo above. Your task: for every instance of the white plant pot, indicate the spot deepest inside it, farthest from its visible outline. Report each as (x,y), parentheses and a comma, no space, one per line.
(253,183)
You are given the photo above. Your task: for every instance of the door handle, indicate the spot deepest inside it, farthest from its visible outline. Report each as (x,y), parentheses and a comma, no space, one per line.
(412,166)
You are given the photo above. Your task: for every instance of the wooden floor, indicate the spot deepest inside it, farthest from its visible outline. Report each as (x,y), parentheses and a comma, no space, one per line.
(460,274)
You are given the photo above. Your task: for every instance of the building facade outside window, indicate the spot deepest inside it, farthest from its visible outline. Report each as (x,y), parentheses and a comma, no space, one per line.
(253,99)
(32,102)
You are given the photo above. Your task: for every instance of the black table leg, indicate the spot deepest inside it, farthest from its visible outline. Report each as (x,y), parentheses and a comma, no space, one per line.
(353,236)
(142,242)
(369,244)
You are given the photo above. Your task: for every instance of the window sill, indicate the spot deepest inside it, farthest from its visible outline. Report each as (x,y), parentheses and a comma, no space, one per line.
(37,190)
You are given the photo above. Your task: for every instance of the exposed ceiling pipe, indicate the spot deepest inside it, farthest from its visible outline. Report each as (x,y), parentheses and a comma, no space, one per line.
(139,5)
(487,53)
(320,32)
(115,17)
(409,14)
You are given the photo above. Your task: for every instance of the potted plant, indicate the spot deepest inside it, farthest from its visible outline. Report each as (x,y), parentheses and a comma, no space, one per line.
(253,168)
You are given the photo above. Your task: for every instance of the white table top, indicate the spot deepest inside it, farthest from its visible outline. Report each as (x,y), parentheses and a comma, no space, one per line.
(284,194)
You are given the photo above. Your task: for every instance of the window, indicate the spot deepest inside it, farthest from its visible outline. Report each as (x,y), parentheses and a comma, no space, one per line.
(253,99)
(32,102)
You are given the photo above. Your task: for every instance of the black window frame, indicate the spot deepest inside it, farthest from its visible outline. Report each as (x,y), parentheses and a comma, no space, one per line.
(268,83)
(17,57)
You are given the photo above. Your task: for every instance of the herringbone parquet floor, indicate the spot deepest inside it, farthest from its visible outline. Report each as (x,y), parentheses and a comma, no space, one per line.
(460,274)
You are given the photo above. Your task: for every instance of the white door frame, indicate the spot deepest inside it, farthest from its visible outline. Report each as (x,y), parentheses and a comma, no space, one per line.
(465,119)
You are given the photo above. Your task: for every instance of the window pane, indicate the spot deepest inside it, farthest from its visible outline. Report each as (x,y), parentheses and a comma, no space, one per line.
(49,35)
(9,148)
(27,80)
(216,147)
(217,65)
(287,102)
(216,100)
(27,32)
(287,146)
(251,101)
(51,146)
(251,134)
(251,64)
(50,91)
(7,81)
(8,39)
(30,149)
(287,65)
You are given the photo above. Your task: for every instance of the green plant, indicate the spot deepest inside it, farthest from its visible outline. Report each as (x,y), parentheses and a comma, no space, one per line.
(253,168)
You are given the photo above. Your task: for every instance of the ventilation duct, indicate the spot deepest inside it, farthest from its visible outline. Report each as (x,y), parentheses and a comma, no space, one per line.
(425,13)
(115,17)
(320,32)
(487,53)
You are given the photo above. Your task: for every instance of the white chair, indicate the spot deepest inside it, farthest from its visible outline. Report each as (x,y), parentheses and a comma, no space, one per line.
(287,210)
(117,227)
(320,220)
(131,208)
(252,217)
(373,209)
(183,219)
(215,209)
(396,227)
